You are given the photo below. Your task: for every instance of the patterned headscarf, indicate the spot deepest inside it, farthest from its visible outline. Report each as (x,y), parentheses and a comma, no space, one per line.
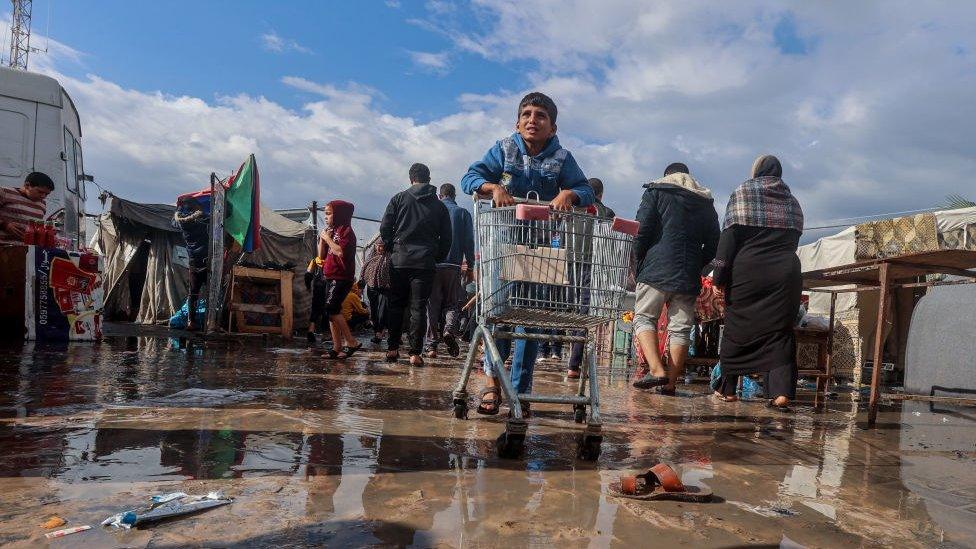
(764,200)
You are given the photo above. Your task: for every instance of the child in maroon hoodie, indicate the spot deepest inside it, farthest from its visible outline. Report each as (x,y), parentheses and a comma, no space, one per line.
(337,247)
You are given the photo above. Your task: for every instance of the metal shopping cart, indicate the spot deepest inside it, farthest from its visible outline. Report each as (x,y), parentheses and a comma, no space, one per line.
(546,271)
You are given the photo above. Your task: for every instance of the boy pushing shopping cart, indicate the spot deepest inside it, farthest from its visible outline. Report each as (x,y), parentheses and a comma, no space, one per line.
(532,276)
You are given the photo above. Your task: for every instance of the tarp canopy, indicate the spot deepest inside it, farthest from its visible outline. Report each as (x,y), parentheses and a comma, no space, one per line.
(955,229)
(140,242)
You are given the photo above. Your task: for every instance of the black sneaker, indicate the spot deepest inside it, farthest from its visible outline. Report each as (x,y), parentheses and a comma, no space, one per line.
(452,345)
(649,382)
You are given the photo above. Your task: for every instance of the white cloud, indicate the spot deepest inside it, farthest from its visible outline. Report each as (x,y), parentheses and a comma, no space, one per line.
(430,61)
(339,145)
(273,42)
(440,7)
(884,92)
(877,116)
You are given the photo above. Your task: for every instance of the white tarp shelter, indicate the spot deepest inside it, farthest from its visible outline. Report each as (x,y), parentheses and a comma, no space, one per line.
(856,312)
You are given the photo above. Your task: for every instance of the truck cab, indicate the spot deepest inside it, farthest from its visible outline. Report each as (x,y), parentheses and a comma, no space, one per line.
(40,132)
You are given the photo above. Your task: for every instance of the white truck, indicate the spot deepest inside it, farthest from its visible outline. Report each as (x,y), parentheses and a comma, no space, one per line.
(40,132)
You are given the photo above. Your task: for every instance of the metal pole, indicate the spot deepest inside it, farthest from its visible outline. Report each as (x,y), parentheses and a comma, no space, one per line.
(314,208)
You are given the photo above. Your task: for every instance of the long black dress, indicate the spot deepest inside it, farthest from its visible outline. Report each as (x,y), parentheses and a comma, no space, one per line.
(760,271)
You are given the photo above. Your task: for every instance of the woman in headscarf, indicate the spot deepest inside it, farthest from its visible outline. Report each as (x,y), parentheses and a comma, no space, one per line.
(757,265)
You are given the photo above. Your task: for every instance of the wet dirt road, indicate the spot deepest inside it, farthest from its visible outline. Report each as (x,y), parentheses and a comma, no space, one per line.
(361,453)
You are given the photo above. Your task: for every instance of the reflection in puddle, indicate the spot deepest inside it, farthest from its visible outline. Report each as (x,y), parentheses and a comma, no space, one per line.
(361,453)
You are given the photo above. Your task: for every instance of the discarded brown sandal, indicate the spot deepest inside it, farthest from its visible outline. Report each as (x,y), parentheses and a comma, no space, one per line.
(660,483)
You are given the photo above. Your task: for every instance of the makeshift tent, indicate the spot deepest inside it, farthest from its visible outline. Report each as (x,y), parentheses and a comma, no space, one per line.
(146,261)
(856,312)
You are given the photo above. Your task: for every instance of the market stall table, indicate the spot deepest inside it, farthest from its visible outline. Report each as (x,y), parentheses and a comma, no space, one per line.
(884,275)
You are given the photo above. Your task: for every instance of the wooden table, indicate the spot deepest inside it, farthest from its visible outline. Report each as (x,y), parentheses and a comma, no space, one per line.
(885,275)
(283,308)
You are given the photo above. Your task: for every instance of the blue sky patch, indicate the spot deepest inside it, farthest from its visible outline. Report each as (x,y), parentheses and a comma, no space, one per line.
(788,40)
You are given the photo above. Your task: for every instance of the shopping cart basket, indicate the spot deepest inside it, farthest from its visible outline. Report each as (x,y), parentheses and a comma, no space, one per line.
(546,270)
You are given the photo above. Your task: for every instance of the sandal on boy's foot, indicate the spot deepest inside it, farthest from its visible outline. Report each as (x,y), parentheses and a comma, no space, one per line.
(665,391)
(451,343)
(416,360)
(649,382)
(573,374)
(489,407)
(392,356)
(661,482)
(722,398)
(331,353)
(431,353)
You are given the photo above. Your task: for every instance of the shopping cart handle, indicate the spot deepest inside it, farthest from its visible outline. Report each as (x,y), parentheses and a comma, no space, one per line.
(532,212)
(626,226)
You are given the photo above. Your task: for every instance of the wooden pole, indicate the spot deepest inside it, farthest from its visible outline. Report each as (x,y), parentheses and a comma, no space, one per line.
(879,340)
(830,343)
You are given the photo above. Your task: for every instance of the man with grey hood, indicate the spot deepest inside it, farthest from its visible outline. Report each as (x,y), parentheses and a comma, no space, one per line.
(677,239)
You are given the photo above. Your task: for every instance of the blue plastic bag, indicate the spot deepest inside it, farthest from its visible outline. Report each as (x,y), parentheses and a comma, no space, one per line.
(182,316)
(750,388)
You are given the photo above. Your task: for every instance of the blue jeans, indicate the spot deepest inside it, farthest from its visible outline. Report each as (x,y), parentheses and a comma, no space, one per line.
(523,362)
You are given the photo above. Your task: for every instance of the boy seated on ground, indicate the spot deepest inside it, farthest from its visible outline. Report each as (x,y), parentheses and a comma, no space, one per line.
(529,161)
(355,313)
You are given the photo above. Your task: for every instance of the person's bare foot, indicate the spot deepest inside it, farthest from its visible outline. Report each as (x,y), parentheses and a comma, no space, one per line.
(416,360)
(724,398)
(781,402)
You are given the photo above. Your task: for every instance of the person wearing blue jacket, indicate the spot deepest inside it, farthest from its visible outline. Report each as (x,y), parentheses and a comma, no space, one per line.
(446,295)
(529,161)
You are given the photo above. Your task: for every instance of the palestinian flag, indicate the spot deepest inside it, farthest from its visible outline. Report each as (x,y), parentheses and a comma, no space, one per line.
(243,199)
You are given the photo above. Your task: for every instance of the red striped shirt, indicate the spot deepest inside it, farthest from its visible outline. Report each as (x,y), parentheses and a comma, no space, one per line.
(18,209)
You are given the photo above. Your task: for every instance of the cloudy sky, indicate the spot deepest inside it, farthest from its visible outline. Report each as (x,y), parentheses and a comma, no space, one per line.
(870,105)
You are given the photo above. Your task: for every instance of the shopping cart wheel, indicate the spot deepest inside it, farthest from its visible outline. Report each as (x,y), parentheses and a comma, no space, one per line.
(510,445)
(589,448)
(461,410)
(579,413)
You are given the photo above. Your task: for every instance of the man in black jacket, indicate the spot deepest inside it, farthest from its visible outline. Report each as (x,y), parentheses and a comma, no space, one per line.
(678,237)
(416,231)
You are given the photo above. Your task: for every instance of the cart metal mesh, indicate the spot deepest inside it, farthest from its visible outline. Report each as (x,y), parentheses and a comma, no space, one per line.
(546,269)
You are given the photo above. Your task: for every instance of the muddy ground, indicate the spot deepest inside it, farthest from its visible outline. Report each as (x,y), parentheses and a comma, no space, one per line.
(362,453)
